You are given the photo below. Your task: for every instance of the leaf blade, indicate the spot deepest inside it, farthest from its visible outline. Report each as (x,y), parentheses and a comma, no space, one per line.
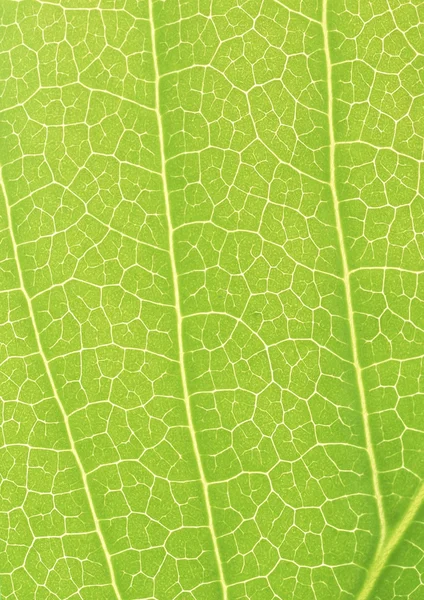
(217,223)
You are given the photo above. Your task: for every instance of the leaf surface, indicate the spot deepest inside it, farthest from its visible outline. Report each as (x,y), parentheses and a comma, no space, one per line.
(211,306)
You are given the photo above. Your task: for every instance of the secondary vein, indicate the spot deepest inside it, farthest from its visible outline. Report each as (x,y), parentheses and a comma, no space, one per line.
(346,279)
(56,394)
(383,555)
(178,307)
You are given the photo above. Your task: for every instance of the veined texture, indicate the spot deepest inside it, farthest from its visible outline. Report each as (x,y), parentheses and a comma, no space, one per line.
(211,300)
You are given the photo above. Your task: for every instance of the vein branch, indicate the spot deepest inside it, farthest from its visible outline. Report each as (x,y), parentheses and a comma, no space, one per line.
(346,279)
(178,311)
(381,558)
(56,393)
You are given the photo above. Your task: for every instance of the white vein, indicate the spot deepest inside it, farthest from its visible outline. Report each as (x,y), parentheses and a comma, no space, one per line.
(56,394)
(178,308)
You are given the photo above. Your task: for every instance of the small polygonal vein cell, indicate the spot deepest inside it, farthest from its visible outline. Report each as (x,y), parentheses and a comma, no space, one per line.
(211,300)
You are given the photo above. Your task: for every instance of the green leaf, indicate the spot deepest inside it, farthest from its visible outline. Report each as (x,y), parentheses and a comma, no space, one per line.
(212,299)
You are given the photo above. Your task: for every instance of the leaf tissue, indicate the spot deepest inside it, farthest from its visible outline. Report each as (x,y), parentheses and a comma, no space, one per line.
(212,300)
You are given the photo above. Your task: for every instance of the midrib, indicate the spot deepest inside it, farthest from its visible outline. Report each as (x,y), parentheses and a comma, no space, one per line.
(56,394)
(346,280)
(178,305)
(387,542)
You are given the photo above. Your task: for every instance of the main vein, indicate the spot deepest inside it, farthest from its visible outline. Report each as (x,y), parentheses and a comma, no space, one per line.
(346,279)
(56,394)
(387,543)
(178,306)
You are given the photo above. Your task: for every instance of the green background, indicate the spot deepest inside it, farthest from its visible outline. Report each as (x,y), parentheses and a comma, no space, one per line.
(211,317)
